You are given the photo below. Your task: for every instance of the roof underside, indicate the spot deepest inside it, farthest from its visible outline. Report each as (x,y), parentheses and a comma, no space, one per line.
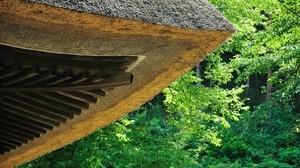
(40,90)
(64,74)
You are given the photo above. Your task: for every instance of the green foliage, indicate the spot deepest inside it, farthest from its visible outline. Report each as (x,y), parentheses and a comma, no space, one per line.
(200,112)
(264,137)
(268,39)
(289,155)
(141,139)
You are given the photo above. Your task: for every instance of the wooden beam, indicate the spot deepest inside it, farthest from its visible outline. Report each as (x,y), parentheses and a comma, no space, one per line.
(113,81)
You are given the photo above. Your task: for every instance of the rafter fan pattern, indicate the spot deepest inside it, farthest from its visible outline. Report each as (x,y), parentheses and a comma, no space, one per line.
(40,90)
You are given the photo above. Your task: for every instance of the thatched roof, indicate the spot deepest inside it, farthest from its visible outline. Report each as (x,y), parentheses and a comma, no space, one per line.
(167,37)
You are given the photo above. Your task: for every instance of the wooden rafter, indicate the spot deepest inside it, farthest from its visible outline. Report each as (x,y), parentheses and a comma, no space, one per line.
(41,90)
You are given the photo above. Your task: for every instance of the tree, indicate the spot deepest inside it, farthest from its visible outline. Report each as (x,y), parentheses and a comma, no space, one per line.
(265,50)
(199,112)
